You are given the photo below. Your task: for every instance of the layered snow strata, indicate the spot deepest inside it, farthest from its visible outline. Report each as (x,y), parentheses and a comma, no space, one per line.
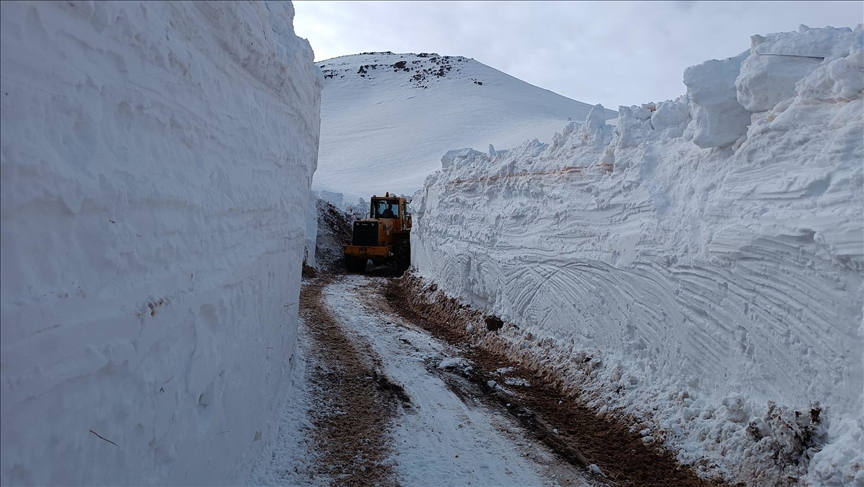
(156,162)
(708,292)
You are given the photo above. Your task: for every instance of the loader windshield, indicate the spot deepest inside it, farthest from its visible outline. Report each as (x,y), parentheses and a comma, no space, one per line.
(385,209)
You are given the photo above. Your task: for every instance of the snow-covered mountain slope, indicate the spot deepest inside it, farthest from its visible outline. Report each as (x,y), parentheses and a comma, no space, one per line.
(156,161)
(387,118)
(704,257)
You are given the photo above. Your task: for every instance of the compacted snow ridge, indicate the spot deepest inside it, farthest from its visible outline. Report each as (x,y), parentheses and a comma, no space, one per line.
(705,253)
(386,118)
(156,161)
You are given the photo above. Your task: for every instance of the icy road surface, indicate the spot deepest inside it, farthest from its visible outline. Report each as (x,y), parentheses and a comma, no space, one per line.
(441,440)
(436,436)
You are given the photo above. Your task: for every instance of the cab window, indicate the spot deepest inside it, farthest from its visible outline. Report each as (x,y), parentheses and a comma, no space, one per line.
(385,209)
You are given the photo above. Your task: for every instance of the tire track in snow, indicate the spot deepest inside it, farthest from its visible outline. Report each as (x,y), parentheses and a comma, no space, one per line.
(446,435)
(556,414)
(353,402)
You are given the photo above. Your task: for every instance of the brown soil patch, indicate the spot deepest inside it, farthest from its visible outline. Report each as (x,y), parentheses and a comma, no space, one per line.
(308,272)
(555,415)
(354,402)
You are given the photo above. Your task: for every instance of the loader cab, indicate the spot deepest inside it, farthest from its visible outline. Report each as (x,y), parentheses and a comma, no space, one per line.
(391,207)
(386,208)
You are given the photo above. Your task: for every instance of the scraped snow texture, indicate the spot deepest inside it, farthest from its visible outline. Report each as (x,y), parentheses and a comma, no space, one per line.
(387,118)
(156,162)
(692,263)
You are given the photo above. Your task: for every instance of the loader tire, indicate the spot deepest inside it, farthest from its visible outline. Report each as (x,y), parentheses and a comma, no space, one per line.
(403,258)
(354,265)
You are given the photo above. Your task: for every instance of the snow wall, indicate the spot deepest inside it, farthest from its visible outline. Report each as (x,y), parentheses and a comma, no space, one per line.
(156,163)
(706,254)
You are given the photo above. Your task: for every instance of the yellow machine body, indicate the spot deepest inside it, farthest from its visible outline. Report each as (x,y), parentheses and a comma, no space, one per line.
(384,236)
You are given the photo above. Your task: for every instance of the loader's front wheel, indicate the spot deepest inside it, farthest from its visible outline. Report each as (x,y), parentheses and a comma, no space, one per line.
(355,265)
(403,258)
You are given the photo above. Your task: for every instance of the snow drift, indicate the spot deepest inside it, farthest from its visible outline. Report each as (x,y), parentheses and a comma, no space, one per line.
(705,257)
(156,162)
(386,118)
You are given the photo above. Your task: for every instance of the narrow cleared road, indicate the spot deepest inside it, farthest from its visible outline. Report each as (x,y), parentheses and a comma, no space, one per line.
(444,432)
(394,389)
(376,402)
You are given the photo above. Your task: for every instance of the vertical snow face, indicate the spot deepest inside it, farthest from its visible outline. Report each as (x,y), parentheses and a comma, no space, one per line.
(703,282)
(156,162)
(718,118)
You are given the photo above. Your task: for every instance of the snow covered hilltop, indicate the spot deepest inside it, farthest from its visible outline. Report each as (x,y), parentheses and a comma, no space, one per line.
(705,257)
(156,162)
(386,118)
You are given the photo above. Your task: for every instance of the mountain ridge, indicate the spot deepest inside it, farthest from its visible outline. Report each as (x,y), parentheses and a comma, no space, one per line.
(388,118)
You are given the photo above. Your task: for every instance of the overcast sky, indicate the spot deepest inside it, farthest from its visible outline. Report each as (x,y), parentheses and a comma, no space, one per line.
(614,53)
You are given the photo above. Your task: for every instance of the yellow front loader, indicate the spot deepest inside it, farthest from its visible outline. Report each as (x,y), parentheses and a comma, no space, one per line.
(384,236)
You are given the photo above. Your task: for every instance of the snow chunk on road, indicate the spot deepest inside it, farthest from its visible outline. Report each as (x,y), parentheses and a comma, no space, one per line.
(517,381)
(460,363)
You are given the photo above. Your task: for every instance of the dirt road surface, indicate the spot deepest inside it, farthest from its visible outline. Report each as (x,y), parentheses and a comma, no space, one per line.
(391,393)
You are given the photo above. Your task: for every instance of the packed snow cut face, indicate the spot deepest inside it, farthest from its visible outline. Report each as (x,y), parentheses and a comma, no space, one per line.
(705,253)
(156,162)
(386,118)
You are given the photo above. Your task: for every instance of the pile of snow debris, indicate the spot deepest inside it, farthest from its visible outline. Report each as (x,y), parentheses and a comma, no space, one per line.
(156,161)
(332,229)
(705,256)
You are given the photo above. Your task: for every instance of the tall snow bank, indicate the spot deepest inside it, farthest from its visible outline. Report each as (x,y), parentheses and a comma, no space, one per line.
(714,295)
(156,161)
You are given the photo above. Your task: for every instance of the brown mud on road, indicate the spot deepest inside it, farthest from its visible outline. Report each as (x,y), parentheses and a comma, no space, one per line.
(555,415)
(354,401)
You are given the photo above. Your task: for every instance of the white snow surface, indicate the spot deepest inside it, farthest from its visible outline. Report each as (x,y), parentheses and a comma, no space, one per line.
(386,118)
(684,285)
(156,162)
